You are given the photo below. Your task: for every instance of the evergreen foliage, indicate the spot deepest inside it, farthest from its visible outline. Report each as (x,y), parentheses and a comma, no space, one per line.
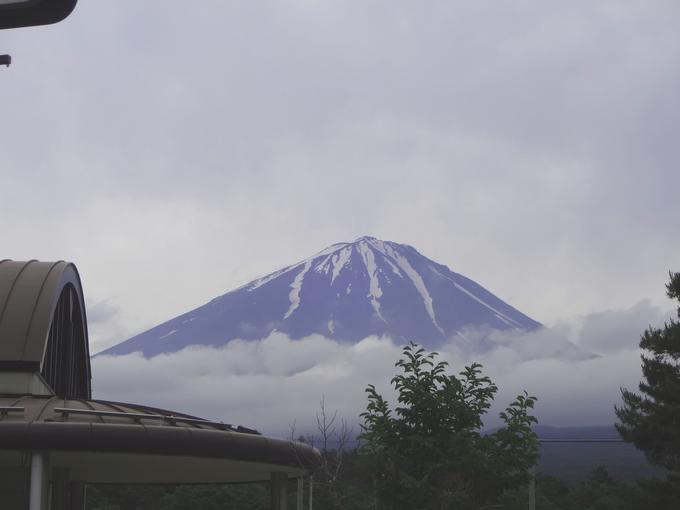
(429,452)
(651,419)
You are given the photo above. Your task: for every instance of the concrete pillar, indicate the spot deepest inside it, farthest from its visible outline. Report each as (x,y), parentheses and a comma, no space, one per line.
(279,491)
(38,495)
(532,490)
(311,493)
(300,494)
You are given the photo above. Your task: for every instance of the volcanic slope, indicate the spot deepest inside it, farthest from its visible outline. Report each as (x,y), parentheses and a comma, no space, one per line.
(346,292)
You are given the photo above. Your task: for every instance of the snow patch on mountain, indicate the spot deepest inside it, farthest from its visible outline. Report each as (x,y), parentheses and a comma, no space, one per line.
(417,280)
(375,292)
(263,281)
(508,320)
(296,286)
(339,261)
(172,332)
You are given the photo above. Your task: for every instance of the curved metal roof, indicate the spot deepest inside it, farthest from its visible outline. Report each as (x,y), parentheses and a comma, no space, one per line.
(43,327)
(79,429)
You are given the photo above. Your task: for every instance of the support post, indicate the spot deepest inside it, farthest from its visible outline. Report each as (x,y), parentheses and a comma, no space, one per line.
(279,491)
(311,493)
(300,493)
(532,490)
(38,481)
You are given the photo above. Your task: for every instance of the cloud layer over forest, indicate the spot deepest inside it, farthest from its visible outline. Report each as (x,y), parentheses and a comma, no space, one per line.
(275,382)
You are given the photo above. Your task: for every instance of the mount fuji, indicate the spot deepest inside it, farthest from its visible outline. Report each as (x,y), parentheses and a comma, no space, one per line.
(346,292)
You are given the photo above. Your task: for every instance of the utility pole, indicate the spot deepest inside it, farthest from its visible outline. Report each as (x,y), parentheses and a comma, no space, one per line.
(532,489)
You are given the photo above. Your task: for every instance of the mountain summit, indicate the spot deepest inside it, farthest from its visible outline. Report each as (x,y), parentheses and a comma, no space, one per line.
(346,292)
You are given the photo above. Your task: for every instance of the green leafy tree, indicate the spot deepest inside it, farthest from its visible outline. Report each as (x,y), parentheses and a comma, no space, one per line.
(651,419)
(430,452)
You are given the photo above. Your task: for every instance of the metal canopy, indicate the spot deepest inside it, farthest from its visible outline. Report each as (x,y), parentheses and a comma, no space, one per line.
(26,13)
(68,443)
(102,441)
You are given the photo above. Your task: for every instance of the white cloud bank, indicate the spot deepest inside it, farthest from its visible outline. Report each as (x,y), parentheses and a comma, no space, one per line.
(271,383)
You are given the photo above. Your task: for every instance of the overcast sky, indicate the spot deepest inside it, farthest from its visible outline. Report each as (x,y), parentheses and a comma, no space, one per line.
(176,150)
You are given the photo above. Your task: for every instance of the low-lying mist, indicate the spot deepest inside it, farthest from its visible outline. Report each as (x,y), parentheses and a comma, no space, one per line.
(576,369)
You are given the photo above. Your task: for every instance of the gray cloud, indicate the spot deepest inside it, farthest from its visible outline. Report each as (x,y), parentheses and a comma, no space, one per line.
(275,382)
(610,331)
(101,312)
(105,323)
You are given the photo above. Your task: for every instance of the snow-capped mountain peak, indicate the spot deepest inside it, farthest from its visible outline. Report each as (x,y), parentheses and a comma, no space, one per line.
(347,292)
